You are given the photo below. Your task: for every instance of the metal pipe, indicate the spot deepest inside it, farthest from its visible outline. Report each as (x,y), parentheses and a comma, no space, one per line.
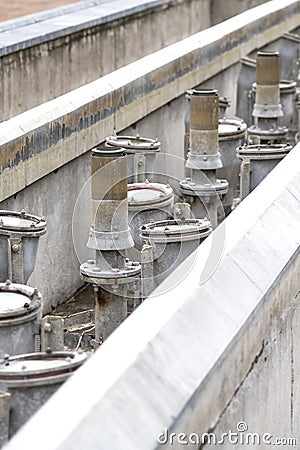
(257,163)
(267,107)
(20,318)
(141,153)
(203,190)
(110,272)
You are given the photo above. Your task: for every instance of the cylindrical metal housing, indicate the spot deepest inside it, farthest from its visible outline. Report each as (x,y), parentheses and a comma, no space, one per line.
(110,229)
(32,378)
(205,196)
(19,240)
(20,318)
(204,115)
(172,241)
(262,159)
(146,202)
(267,99)
(232,134)
(141,155)
(267,107)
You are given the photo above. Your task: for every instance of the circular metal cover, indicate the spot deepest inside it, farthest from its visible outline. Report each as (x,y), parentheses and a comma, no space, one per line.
(21,222)
(174,231)
(133,144)
(264,151)
(9,301)
(231,128)
(140,194)
(18,300)
(39,365)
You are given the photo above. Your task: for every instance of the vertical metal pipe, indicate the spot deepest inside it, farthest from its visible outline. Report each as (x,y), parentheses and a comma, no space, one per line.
(203,190)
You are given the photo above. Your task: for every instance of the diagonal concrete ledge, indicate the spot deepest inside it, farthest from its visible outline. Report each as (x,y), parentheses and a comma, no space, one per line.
(178,361)
(39,141)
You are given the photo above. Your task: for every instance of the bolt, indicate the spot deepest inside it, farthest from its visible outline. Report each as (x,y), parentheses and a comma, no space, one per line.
(26,305)
(7,282)
(6,357)
(15,248)
(49,350)
(23,212)
(91,261)
(205,158)
(47,327)
(146,181)
(140,163)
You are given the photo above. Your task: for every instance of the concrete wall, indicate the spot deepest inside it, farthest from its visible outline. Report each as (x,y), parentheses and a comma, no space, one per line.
(46,58)
(223,9)
(217,344)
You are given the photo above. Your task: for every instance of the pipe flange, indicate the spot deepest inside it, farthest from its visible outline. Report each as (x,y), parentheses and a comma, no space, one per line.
(92,274)
(134,144)
(220,188)
(18,300)
(230,129)
(166,231)
(271,134)
(263,151)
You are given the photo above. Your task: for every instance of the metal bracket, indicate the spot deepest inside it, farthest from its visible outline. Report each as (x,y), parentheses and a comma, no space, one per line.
(15,260)
(245,179)
(52,334)
(147,271)
(139,168)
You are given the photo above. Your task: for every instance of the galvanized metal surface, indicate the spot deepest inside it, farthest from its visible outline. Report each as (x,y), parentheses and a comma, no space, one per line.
(31,379)
(232,134)
(257,163)
(20,317)
(4,417)
(171,242)
(141,153)
(19,239)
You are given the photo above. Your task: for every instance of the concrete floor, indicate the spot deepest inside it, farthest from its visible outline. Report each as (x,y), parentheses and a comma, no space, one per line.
(18,8)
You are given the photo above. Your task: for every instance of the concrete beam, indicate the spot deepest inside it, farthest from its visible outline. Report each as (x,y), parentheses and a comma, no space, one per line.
(43,139)
(178,361)
(57,51)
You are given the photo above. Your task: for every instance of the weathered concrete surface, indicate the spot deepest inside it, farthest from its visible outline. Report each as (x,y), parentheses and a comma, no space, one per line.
(57,53)
(204,352)
(227,8)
